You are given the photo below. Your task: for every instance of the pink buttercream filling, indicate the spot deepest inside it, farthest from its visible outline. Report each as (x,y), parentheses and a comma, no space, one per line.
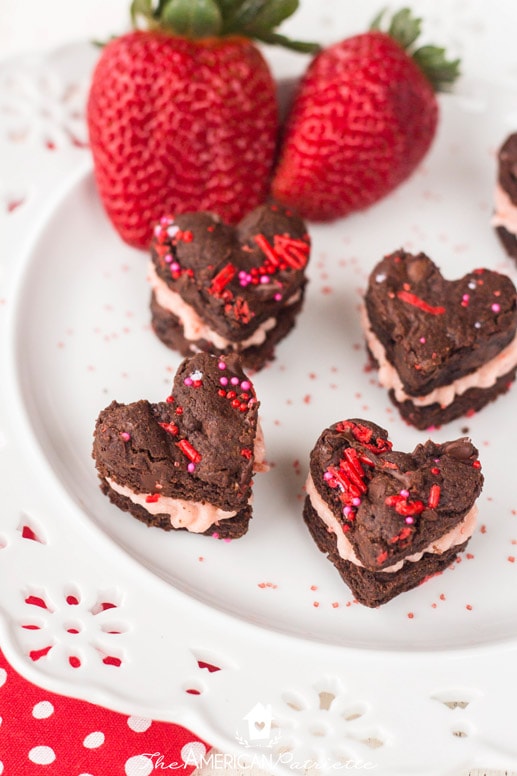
(457,535)
(484,377)
(195,516)
(505,213)
(193,326)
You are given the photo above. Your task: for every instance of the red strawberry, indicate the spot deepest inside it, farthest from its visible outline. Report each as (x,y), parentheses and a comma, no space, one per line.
(183,116)
(364,117)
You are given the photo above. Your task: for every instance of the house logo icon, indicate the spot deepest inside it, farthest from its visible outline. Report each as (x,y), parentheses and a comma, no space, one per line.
(259,723)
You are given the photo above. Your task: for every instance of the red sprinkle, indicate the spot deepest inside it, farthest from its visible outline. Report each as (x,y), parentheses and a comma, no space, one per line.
(364,435)
(188,450)
(382,557)
(267,249)
(223,277)
(171,428)
(476,464)
(403,506)
(246,453)
(294,252)
(413,299)
(434,497)
(152,498)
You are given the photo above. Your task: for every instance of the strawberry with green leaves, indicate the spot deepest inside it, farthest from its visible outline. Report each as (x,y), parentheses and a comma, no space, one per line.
(183,115)
(364,117)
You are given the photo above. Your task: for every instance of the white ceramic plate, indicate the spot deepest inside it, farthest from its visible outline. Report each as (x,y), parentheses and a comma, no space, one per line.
(77,335)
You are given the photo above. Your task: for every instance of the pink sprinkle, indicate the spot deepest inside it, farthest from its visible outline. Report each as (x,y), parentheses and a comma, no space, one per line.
(221,365)
(404,493)
(125,436)
(496,307)
(223,380)
(175,267)
(245,385)
(264,279)
(191,467)
(327,476)
(356,501)
(347,510)
(188,381)
(278,297)
(167,258)
(234,381)
(409,520)
(422,340)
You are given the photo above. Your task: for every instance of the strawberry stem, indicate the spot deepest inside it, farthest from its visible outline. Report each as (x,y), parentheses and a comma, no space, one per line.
(256,19)
(192,18)
(432,60)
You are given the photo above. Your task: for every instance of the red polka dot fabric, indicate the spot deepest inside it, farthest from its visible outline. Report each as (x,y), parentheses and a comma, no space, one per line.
(44,734)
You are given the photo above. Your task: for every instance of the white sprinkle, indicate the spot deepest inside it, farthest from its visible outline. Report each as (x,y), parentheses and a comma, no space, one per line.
(477,325)
(196,375)
(380,278)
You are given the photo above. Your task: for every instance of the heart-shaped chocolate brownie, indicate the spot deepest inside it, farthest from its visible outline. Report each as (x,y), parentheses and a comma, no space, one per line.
(388,520)
(504,218)
(444,348)
(222,289)
(187,462)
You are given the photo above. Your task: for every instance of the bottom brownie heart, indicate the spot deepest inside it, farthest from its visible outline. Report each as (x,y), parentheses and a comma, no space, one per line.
(187,462)
(388,520)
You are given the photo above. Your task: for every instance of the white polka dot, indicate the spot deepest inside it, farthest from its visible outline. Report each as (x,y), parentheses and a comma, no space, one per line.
(1,768)
(42,755)
(139,766)
(139,724)
(3,676)
(193,753)
(42,710)
(93,740)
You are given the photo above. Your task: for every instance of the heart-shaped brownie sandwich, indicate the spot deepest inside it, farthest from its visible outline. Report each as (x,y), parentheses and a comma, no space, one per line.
(187,462)
(388,520)
(222,289)
(444,348)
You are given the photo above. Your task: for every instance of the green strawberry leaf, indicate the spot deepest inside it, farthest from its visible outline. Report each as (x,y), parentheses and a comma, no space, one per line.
(255,16)
(141,8)
(192,18)
(275,39)
(442,72)
(405,29)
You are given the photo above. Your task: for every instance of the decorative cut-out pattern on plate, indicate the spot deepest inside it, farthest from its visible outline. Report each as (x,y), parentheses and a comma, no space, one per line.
(39,105)
(71,626)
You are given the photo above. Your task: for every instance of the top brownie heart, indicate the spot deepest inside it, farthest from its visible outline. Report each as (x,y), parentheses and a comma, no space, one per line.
(434,330)
(188,461)
(389,505)
(238,281)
